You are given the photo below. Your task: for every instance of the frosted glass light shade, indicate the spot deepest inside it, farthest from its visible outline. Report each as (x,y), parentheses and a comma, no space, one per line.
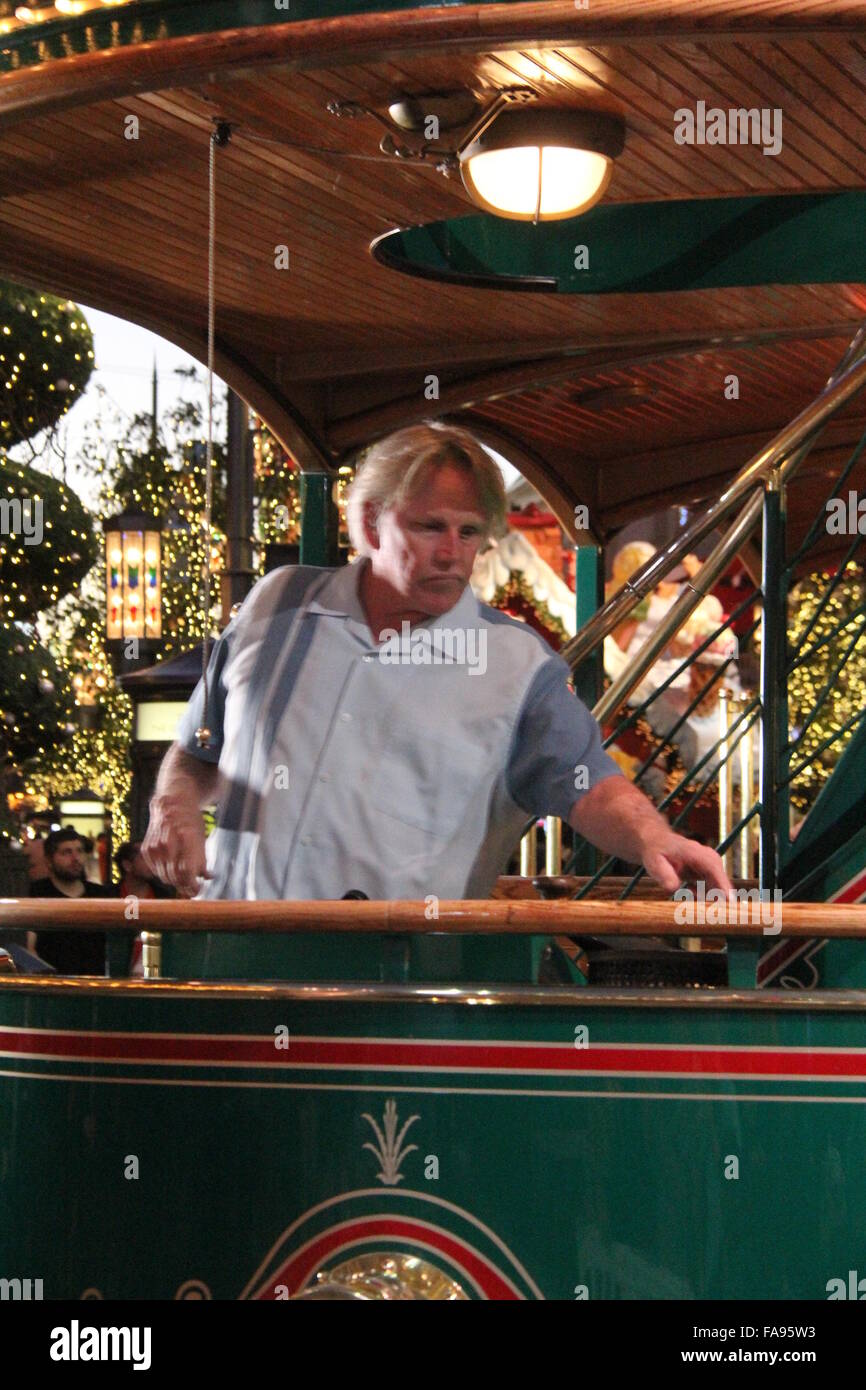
(537,165)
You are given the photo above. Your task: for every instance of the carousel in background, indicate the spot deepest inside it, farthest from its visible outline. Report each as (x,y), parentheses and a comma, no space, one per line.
(530,574)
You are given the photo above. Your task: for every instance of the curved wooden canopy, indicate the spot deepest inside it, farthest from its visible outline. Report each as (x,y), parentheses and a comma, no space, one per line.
(617,401)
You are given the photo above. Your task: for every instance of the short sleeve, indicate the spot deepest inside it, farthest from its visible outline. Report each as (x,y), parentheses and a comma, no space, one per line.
(556,755)
(195,716)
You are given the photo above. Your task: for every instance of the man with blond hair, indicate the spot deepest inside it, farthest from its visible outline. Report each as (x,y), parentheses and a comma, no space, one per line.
(348,745)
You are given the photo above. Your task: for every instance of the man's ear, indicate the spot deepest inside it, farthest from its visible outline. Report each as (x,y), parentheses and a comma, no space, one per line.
(371,524)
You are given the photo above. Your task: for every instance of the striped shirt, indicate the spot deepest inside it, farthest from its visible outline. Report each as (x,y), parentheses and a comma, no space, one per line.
(405,769)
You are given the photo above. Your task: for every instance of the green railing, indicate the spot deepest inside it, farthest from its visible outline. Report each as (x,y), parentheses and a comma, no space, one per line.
(753,723)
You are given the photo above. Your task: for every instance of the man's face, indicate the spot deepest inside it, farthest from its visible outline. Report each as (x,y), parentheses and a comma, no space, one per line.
(427,546)
(67,861)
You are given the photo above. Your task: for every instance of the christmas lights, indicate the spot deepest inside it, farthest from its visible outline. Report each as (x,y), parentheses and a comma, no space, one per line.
(847,693)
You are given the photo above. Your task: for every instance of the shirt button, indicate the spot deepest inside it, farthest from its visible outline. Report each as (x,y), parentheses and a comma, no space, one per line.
(369,658)
(305,840)
(325,777)
(346,718)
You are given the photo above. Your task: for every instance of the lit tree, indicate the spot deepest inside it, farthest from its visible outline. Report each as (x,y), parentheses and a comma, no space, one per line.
(140,469)
(46,358)
(847,689)
(164,471)
(47,544)
(161,471)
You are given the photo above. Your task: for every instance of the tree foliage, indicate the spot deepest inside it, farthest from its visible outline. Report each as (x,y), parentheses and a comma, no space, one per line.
(829,689)
(39,570)
(46,358)
(47,543)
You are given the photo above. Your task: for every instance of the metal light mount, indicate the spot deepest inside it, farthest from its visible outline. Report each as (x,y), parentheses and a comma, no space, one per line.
(457,119)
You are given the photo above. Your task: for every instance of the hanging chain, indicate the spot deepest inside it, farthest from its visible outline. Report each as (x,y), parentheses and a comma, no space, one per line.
(220,136)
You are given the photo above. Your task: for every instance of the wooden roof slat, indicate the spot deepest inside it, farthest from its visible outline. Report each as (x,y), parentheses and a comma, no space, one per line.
(755,171)
(822,142)
(121,225)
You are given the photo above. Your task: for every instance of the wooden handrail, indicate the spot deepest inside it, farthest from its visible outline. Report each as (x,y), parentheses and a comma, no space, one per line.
(472,917)
(552,886)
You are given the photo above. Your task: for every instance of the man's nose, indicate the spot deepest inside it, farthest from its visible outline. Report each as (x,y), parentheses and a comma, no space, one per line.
(446,547)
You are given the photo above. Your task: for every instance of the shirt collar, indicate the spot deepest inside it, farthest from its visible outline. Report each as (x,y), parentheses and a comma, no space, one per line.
(339,598)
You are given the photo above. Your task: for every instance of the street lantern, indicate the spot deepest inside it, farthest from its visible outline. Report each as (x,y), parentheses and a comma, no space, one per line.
(133,588)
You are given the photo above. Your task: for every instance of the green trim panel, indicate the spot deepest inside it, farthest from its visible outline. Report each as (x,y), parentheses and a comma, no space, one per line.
(667,1153)
(635,248)
(838,814)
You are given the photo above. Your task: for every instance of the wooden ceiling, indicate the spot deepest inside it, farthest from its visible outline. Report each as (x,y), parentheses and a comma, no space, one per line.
(617,401)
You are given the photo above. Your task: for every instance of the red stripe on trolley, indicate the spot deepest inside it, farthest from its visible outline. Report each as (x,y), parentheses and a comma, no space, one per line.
(792,947)
(298,1268)
(852,891)
(409,1055)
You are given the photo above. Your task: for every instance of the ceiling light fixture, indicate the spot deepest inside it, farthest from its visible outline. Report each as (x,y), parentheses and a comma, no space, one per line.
(538,165)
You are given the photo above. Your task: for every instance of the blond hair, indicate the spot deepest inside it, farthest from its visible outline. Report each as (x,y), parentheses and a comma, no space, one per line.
(395,468)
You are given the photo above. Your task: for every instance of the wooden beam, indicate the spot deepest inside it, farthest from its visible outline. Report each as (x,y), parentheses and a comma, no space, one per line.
(635,349)
(510,380)
(695,469)
(73,279)
(539,471)
(352,39)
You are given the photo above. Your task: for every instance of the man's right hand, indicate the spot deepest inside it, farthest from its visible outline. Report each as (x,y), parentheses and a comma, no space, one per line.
(174,847)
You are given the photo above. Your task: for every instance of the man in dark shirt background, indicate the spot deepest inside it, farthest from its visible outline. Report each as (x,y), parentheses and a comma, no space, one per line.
(71,953)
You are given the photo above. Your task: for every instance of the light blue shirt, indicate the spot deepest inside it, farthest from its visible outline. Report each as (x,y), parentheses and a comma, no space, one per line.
(402,770)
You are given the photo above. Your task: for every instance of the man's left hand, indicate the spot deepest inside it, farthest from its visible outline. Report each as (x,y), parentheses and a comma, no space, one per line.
(670,858)
(619,819)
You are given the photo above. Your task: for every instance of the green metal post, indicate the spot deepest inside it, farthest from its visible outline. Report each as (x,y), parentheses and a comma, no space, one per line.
(589,593)
(319,520)
(588,678)
(774,691)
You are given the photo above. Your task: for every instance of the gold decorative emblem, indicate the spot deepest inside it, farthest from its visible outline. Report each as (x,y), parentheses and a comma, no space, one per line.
(388,1150)
(387,1276)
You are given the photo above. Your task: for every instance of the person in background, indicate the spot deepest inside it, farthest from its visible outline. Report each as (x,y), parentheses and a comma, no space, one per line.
(37,864)
(135,881)
(71,953)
